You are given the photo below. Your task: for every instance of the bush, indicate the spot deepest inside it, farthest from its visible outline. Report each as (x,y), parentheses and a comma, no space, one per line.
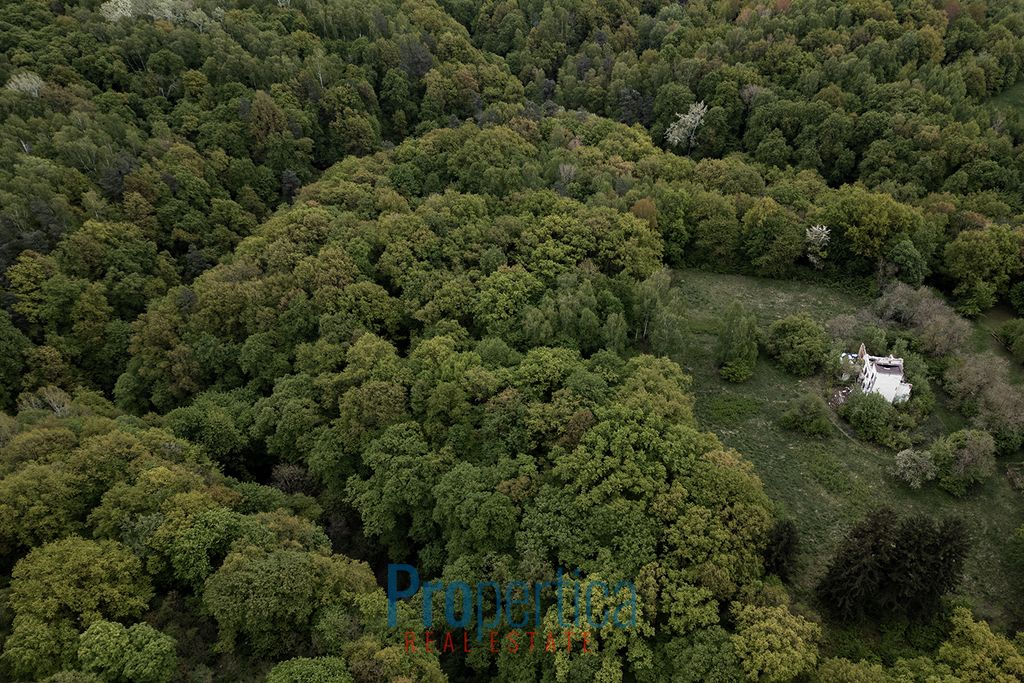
(798,343)
(872,417)
(914,468)
(964,459)
(737,345)
(1011,333)
(808,415)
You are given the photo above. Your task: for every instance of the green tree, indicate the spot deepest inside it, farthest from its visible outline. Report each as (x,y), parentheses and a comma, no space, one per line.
(868,224)
(614,332)
(395,501)
(310,670)
(1011,333)
(773,644)
(976,654)
(38,647)
(907,263)
(140,654)
(781,549)
(845,671)
(964,459)
(503,296)
(887,566)
(656,312)
(270,598)
(81,581)
(799,343)
(40,503)
(872,417)
(706,656)
(737,344)
(773,238)
(983,262)
(13,346)
(63,587)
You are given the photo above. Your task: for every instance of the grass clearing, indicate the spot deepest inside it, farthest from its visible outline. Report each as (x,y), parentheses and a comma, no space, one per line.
(827,484)
(1011,98)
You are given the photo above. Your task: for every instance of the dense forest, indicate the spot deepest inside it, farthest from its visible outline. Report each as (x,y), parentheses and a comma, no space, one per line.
(291,291)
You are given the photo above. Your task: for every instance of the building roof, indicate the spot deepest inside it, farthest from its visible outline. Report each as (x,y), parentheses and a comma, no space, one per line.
(888,366)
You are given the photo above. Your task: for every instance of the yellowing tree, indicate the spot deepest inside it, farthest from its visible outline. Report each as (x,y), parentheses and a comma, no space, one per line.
(773,644)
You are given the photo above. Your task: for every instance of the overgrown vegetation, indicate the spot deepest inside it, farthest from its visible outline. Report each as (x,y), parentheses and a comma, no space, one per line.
(828,484)
(808,414)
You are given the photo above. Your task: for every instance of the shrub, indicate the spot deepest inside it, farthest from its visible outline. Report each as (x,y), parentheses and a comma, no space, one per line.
(1011,333)
(914,467)
(798,343)
(964,459)
(737,345)
(808,415)
(872,417)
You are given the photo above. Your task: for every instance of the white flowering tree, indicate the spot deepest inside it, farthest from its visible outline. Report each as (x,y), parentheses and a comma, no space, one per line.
(915,468)
(817,237)
(686,125)
(168,10)
(113,10)
(26,83)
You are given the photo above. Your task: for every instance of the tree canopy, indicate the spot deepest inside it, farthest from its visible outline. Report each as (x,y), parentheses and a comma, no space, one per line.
(292,290)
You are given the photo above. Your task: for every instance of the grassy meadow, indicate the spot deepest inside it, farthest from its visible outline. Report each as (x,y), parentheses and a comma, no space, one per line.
(1012,98)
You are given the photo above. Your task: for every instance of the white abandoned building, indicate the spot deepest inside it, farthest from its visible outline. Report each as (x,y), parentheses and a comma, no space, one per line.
(881,375)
